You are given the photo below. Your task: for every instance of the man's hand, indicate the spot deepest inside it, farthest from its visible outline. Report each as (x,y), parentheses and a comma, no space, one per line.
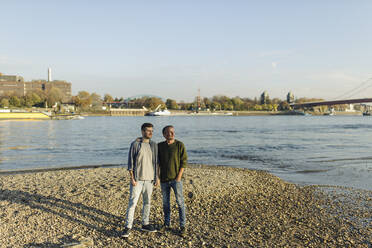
(179,176)
(133,182)
(157,182)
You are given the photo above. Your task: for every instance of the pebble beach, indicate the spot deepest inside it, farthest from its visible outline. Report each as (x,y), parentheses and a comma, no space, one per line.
(226,207)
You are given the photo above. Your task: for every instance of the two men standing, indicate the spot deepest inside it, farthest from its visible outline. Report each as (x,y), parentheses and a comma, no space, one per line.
(146,160)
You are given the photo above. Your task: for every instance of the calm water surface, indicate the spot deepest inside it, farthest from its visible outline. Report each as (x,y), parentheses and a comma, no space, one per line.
(334,150)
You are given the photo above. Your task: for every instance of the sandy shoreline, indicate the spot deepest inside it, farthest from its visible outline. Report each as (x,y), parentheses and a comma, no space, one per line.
(226,207)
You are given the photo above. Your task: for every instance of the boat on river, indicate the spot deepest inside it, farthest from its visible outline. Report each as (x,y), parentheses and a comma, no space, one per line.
(164,112)
(157,112)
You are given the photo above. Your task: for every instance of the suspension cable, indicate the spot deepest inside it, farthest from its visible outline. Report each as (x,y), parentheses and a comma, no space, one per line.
(356,89)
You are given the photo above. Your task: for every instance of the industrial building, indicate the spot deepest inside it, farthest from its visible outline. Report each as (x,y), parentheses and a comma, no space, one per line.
(15,85)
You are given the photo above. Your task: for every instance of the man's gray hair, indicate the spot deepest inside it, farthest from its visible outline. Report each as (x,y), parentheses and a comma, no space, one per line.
(166,127)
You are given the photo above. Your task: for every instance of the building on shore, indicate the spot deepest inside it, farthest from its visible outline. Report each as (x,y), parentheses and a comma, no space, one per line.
(15,85)
(11,85)
(290,97)
(264,97)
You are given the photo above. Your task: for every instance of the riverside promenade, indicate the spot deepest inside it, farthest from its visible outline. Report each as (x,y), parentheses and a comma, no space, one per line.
(226,207)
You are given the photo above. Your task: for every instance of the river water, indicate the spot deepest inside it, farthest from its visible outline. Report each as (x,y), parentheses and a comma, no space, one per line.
(326,150)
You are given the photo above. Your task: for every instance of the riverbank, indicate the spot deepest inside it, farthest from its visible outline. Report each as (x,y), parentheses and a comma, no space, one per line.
(226,207)
(141,112)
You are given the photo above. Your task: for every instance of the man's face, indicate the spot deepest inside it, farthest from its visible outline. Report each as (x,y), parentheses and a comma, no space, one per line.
(169,133)
(147,133)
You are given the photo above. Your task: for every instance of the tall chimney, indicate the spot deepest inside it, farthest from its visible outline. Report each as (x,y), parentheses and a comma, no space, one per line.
(49,74)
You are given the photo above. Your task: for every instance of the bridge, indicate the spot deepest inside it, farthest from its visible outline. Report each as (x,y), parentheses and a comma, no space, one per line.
(329,103)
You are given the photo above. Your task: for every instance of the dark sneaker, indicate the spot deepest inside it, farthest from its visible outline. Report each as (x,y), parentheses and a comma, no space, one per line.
(183,231)
(126,233)
(148,228)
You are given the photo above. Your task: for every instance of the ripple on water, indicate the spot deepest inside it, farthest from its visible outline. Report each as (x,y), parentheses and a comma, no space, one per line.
(314,150)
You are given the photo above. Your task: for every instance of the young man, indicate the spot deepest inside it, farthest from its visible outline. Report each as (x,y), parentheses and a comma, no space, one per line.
(142,167)
(172,162)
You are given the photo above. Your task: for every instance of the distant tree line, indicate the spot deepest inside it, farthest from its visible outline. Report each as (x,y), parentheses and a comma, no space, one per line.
(36,98)
(216,103)
(86,101)
(39,98)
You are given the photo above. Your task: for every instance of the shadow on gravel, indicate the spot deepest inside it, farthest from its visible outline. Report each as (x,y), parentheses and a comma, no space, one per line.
(61,243)
(74,212)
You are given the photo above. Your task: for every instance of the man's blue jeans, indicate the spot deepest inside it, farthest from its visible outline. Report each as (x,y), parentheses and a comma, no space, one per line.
(177,188)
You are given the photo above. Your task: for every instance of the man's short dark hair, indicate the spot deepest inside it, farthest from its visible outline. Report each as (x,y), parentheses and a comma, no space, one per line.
(146,124)
(166,127)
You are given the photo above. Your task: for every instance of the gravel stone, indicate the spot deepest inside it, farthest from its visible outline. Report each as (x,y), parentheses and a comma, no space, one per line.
(226,207)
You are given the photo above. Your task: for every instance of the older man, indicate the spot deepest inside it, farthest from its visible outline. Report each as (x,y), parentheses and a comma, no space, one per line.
(172,162)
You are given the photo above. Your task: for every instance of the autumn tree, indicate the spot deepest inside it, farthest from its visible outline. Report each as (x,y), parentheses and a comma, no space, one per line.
(82,99)
(171,104)
(237,102)
(95,100)
(32,99)
(54,95)
(248,104)
(41,94)
(284,105)
(14,101)
(188,106)
(207,102)
(215,106)
(4,103)
(153,102)
(108,98)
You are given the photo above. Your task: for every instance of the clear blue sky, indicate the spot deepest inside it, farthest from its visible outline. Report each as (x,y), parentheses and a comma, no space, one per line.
(171,48)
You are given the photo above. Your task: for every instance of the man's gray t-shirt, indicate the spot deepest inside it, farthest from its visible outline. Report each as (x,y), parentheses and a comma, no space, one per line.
(145,168)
